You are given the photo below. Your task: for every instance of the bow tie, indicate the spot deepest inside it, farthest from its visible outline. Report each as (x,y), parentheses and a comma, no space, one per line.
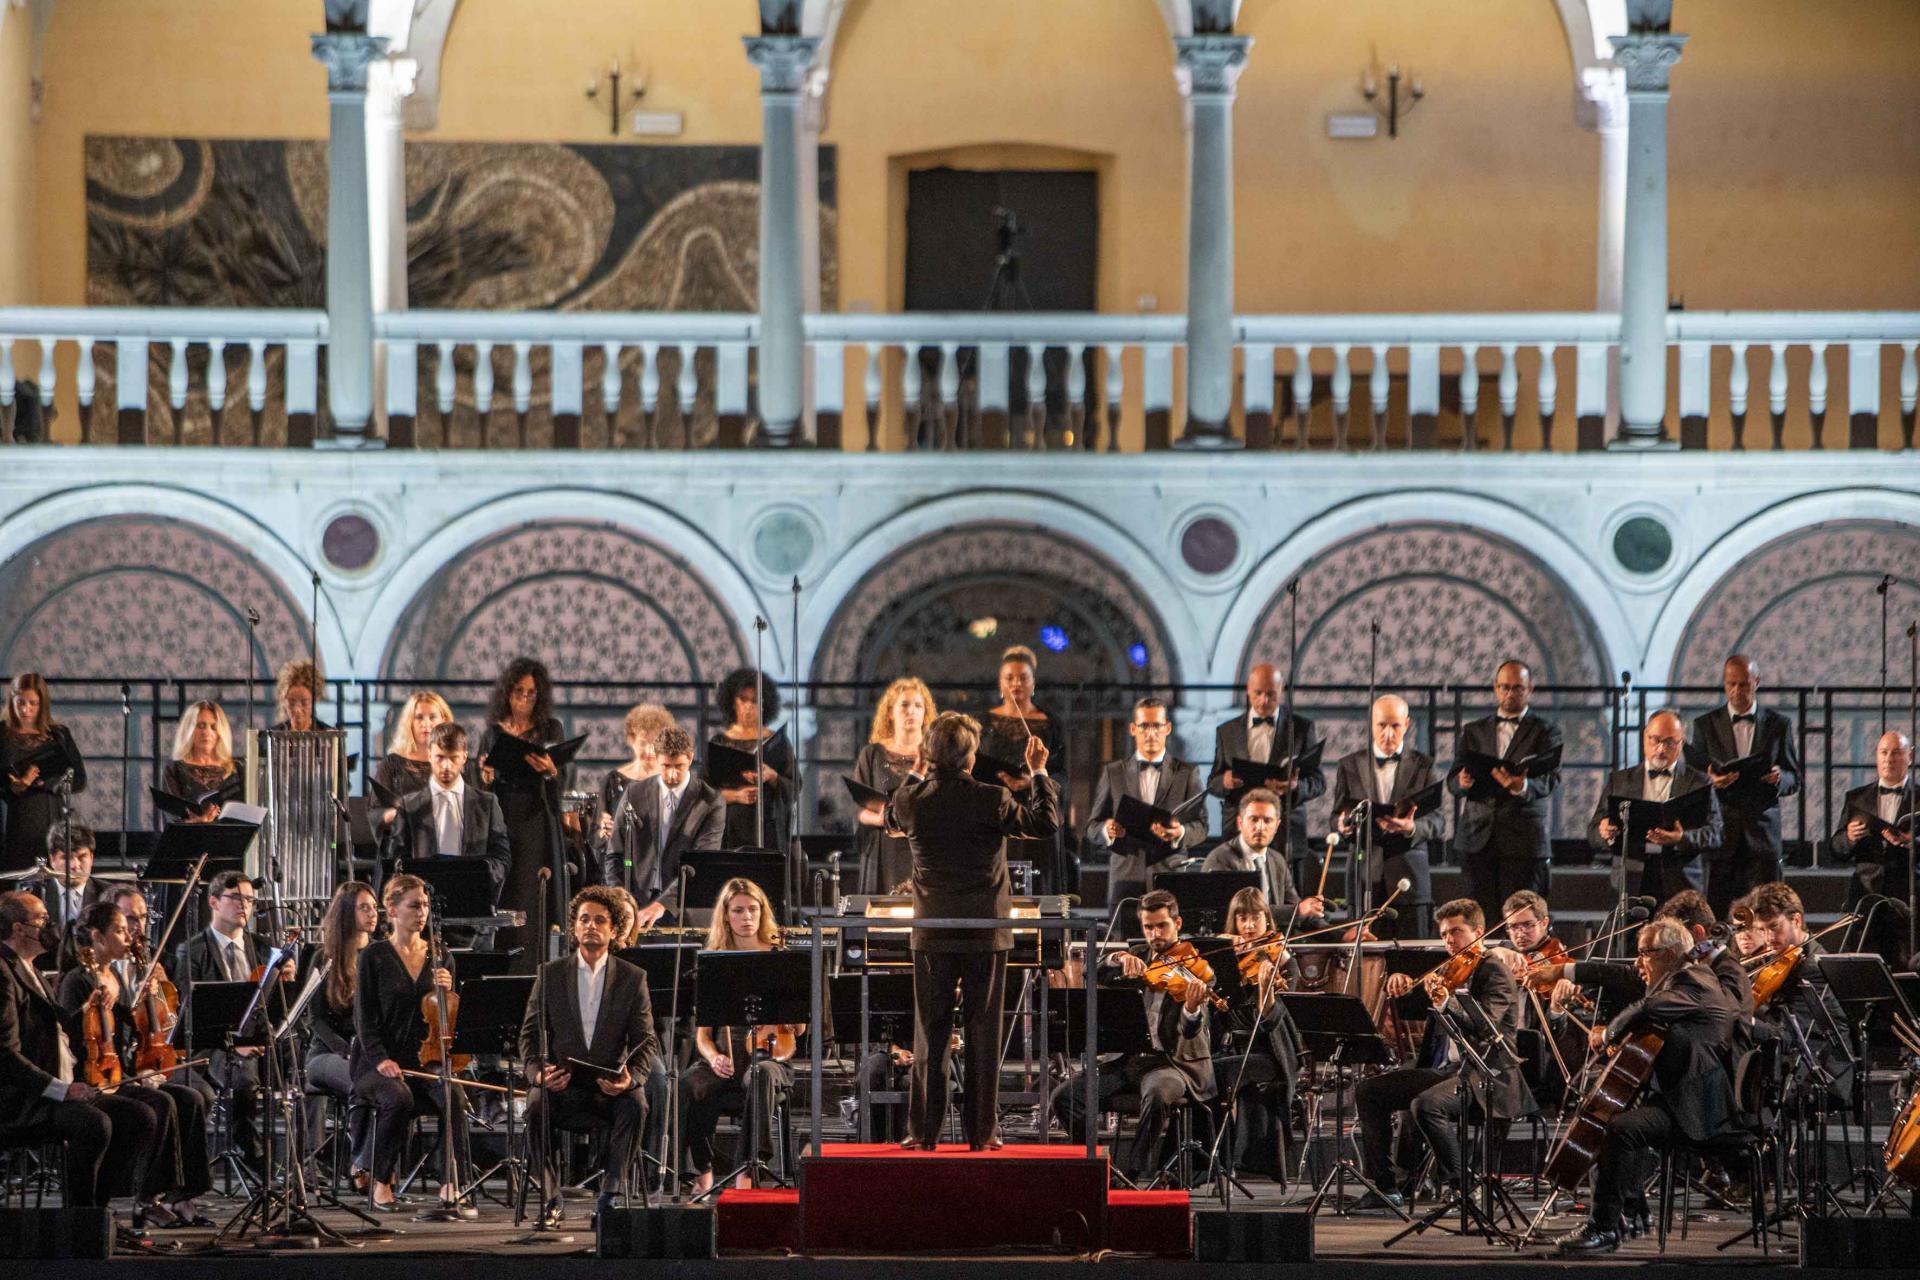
(1151,764)
(1385,760)
(1265,720)
(1747,716)
(1659,773)
(1508,719)
(1892,791)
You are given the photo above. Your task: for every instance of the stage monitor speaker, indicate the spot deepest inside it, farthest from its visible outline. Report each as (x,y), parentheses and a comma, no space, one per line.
(1280,1236)
(1860,1244)
(56,1233)
(671,1231)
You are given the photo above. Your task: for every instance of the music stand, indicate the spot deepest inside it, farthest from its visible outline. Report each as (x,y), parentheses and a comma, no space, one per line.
(492,1008)
(711,871)
(881,1006)
(1337,1029)
(1123,1029)
(471,965)
(1861,982)
(751,989)
(1203,895)
(461,887)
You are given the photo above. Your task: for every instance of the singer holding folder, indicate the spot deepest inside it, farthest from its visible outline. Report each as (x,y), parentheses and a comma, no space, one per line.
(1165,792)
(37,758)
(1392,786)
(517,763)
(1671,813)
(1507,771)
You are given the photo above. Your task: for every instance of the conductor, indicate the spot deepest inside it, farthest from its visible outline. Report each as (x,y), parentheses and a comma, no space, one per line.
(957,829)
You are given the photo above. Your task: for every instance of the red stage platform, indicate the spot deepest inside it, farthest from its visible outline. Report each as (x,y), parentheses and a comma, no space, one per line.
(878,1199)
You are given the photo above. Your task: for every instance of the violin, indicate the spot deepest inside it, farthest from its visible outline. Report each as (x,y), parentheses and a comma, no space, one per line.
(1456,972)
(101,1067)
(1773,975)
(1179,968)
(156,1012)
(1551,953)
(441,1009)
(1267,948)
(260,970)
(775,1040)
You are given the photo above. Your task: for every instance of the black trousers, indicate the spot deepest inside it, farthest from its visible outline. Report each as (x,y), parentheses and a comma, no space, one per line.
(239,1077)
(1263,1116)
(177,1166)
(394,1103)
(1161,1087)
(752,1090)
(582,1108)
(329,1074)
(1625,1152)
(109,1144)
(1738,870)
(1431,1100)
(1493,877)
(982,978)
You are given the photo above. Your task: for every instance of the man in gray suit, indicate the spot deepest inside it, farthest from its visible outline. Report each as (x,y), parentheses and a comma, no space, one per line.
(1151,775)
(1251,849)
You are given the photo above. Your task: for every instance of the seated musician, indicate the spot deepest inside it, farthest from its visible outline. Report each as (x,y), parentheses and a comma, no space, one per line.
(449,818)
(1179,1067)
(658,822)
(1429,1091)
(596,1011)
(71,889)
(228,951)
(395,977)
(1713,947)
(731,1074)
(1546,992)
(179,1168)
(1802,999)
(1690,1092)
(1257,825)
(351,920)
(1270,1053)
(202,760)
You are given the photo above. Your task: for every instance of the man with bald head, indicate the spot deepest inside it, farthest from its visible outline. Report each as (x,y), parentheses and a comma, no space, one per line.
(1660,861)
(1257,736)
(1881,860)
(1749,799)
(1387,774)
(1503,841)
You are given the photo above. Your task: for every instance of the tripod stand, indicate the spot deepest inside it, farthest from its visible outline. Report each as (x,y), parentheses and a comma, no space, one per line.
(1341,1026)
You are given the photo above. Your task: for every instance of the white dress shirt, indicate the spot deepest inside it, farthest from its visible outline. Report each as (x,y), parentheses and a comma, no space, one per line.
(1385,772)
(1503,737)
(1150,778)
(1888,803)
(592,983)
(1259,740)
(448,807)
(1659,788)
(1743,730)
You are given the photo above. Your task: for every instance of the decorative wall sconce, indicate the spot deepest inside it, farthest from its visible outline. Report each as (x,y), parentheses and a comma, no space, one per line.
(1393,104)
(616,104)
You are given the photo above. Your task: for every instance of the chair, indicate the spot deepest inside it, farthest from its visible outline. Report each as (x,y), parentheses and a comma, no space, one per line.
(31,1162)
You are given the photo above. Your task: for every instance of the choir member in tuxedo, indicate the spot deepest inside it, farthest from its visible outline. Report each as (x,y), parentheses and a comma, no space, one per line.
(38,760)
(1257,824)
(450,818)
(227,951)
(959,829)
(1804,1000)
(522,705)
(1429,1091)
(1383,776)
(1881,862)
(1262,1031)
(1661,862)
(71,889)
(750,711)
(1504,843)
(658,824)
(1749,851)
(728,1076)
(297,691)
(394,975)
(1152,775)
(1256,736)
(108,1139)
(595,1010)
(202,761)
(892,752)
(1690,1094)
(178,1169)
(351,920)
(408,765)
(1003,736)
(642,729)
(1179,1066)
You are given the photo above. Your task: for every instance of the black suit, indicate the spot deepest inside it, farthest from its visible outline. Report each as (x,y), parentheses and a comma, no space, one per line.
(1506,844)
(1655,870)
(1429,1091)
(1230,743)
(645,861)
(1138,854)
(199,961)
(109,1140)
(958,828)
(483,831)
(623,1030)
(1879,866)
(1395,857)
(1749,852)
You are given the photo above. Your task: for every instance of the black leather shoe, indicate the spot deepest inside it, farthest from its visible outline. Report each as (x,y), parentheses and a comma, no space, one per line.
(993,1143)
(1588,1240)
(916,1144)
(550,1216)
(1371,1202)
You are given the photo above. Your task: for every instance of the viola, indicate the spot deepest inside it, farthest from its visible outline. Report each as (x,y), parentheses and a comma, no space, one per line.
(1773,975)
(260,970)
(1456,972)
(155,1014)
(775,1040)
(1178,969)
(101,1066)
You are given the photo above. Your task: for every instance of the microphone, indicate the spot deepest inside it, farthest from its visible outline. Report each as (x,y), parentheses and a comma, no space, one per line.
(1886,581)
(253,614)
(1637,914)
(1648,901)
(1386,915)
(759,623)
(546,873)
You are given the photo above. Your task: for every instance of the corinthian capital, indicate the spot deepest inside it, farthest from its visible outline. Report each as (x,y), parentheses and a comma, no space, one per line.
(347,55)
(1211,64)
(1647,57)
(783,60)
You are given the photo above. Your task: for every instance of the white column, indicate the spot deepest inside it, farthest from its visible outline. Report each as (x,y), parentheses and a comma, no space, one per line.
(811,120)
(390,83)
(1209,66)
(1605,89)
(783,62)
(1647,58)
(347,56)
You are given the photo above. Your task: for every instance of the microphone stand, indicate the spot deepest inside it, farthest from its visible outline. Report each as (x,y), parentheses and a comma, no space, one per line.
(670,1050)
(540,1233)
(126,765)
(793,719)
(1361,881)
(1620,908)
(760,740)
(1883,590)
(1288,797)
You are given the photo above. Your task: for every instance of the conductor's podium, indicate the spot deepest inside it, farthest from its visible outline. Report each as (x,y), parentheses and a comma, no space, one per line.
(874,1199)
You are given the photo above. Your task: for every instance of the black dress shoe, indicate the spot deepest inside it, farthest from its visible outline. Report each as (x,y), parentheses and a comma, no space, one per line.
(993,1143)
(1590,1239)
(550,1216)
(917,1144)
(1371,1202)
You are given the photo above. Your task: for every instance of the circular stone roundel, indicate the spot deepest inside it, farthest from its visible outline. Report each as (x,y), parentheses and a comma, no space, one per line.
(1209,545)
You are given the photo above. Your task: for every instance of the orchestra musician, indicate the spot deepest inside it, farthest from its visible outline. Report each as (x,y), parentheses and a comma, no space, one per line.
(203,760)
(1270,1053)
(228,951)
(72,888)
(658,823)
(1179,1068)
(38,761)
(1504,843)
(1004,731)
(1620,981)
(731,1074)
(601,1047)
(450,819)
(351,920)
(1803,998)
(1150,774)
(1257,823)
(1691,1090)
(179,1169)
(960,830)
(891,753)
(1749,849)
(521,705)
(1382,776)
(297,690)
(1881,861)
(1524,952)
(1428,1091)
(1661,862)
(750,710)
(393,977)
(1256,736)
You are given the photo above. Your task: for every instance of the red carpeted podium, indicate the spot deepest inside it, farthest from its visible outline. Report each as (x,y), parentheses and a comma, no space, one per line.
(877,1199)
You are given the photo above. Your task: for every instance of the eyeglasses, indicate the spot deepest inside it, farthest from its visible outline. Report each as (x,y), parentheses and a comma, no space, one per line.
(247,898)
(1152,726)
(1645,954)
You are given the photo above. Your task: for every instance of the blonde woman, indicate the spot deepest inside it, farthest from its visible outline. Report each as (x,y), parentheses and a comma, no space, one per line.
(36,753)
(730,1075)
(203,760)
(892,751)
(406,768)
(643,727)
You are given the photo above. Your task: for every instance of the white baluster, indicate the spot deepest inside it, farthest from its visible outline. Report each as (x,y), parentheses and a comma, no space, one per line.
(49,376)
(1909,377)
(522,377)
(649,377)
(256,374)
(1509,380)
(871,384)
(1116,392)
(483,381)
(85,375)
(1817,380)
(610,378)
(686,385)
(1738,380)
(177,375)
(1302,385)
(1378,384)
(910,378)
(443,379)
(1076,372)
(216,378)
(1469,395)
(6,370)
(1777,380)
(1549,386)
(950,376)
(1037,394)
(1342,378)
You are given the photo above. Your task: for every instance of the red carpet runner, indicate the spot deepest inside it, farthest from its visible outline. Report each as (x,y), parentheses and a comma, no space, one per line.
(877,1199)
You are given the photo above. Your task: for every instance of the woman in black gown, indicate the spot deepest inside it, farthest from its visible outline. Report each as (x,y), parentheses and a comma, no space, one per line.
(1003,735)
(892,750)
(642,731)
(202,760)
(521,706)
(749,712)
(37,757)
